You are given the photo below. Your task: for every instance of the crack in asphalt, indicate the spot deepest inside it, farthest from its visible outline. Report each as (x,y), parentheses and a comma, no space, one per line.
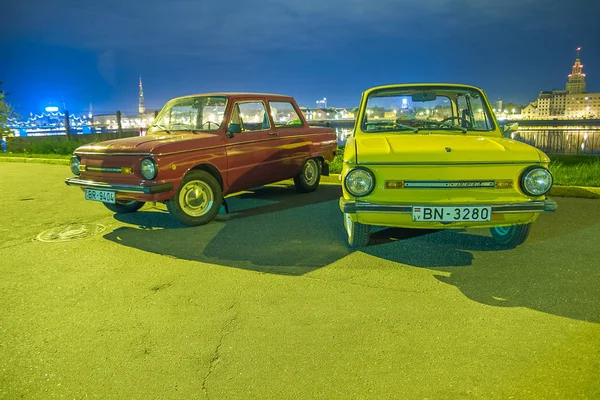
(225,331)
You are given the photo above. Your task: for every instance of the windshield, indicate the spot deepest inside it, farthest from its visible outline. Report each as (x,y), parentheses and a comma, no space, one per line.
(410,109)
(202,113)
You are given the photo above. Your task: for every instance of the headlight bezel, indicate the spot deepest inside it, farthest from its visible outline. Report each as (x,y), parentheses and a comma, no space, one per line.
(354,171)
(527,173)
(74,164)
(154,169)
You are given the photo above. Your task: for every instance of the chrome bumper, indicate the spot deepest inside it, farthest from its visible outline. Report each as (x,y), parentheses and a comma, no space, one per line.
(147,189)
(352,206)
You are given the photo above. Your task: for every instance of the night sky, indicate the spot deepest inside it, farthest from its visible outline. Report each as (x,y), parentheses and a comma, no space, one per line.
(82,52)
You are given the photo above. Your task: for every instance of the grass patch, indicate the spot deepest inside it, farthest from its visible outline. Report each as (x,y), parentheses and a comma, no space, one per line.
(576,170)
(62,147)
(335,166)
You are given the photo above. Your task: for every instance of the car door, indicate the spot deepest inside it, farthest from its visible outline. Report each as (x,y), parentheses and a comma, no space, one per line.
(253,153)
(294,141)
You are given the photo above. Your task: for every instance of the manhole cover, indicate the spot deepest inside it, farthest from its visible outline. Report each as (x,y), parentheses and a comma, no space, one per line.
(64,233)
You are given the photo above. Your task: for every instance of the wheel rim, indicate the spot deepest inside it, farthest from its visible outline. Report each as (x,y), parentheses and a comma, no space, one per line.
(311,172)
(196,198)
(349,225)
(125,202)
(502,230)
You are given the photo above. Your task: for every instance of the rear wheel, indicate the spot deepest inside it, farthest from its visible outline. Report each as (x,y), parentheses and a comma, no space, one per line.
(309,176)
(358,234)
(198,199)
(510,236)
(124,207)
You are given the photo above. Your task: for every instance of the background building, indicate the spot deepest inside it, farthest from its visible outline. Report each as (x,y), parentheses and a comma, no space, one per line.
(571,103)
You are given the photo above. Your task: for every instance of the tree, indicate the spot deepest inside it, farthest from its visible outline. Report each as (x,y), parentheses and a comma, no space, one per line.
(6,112)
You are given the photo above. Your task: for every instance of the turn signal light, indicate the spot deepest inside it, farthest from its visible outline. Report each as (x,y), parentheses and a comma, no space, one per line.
(504,184)
(394,184)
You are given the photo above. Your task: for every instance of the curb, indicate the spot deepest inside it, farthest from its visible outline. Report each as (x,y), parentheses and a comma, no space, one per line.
(57,161)
(558,191)
(576,191)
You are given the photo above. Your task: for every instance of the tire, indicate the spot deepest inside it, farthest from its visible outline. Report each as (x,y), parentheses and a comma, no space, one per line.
(358,234)
(124,207)
(510,236)
(197,200)
(309,176)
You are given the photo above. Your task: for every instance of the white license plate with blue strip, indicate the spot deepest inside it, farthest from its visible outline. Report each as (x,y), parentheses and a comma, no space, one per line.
(451,214)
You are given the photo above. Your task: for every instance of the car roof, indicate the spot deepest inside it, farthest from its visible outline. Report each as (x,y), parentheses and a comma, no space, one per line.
(399,85)
(238,95)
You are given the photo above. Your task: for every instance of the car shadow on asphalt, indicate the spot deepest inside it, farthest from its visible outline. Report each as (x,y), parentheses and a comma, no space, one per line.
(273,229)
(276,230)
(555,271)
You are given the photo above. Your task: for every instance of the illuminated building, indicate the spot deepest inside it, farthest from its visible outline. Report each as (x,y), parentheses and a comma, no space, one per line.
(571,103)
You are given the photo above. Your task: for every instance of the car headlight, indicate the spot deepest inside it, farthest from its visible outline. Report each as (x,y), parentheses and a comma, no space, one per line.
(536,181)
(148,168)
(359,182)
(75,163)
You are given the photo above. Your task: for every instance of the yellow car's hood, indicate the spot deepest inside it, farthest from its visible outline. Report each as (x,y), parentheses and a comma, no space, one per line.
(441,148)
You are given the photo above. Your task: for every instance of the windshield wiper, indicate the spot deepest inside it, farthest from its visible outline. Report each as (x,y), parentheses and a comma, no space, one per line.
(454,127)
(159,126)
(412,128)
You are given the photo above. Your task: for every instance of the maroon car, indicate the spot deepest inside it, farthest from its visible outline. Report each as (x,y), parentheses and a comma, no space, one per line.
(201,148)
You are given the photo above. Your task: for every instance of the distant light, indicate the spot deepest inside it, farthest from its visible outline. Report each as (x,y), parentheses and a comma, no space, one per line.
(51,109)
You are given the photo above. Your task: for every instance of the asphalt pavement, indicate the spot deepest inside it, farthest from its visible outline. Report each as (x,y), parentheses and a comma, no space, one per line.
(268,302)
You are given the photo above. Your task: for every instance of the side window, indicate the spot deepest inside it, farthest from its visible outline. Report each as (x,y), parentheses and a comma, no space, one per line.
(472,112)
(284,114)
(252,115)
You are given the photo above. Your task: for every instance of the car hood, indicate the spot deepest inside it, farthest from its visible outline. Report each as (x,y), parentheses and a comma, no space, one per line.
(441,148)
(152,144)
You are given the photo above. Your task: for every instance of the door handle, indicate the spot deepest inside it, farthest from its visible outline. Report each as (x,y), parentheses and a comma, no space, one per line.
(273,133)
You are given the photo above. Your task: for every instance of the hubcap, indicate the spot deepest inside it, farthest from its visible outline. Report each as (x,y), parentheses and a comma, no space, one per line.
(310,172)
(196,198)
(502,230)
(125,202)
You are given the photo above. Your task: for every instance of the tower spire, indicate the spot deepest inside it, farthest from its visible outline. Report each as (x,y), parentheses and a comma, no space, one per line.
(576,82)
(141,107)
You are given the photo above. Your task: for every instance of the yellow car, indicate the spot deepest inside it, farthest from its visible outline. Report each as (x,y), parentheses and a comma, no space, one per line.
(433,156)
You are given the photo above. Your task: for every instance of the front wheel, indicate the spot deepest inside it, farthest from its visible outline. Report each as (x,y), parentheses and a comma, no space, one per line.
(198,199)
(358,234)
(124,207)
(309,176)
(510,236)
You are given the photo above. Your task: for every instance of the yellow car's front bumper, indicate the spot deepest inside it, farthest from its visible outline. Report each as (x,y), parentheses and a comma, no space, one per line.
(400,215)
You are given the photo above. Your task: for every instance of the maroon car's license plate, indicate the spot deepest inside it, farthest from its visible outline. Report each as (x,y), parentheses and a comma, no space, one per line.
(451,214)
(104,196)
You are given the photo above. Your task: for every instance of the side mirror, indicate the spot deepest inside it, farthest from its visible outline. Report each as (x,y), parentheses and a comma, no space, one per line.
(233,129)
(508,129)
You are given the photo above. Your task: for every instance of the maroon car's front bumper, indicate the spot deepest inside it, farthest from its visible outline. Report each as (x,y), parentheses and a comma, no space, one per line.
(145,189)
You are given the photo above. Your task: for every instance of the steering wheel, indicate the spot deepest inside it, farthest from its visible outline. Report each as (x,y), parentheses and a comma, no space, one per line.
(460,120)
(211,122)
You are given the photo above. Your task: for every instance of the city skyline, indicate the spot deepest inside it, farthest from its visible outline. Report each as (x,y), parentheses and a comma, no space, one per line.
(95,54)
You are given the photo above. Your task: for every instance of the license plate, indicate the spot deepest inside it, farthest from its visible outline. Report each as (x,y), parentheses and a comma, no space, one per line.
(104,196)
(451,214)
